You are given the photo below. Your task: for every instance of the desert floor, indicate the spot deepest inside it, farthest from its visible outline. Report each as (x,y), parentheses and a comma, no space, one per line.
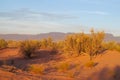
(14,67)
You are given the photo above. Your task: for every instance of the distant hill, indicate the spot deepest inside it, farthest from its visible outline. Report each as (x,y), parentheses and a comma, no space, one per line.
(55,35)
(110,37)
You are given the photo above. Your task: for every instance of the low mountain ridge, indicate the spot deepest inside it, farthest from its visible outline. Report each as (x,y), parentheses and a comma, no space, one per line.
(55,35)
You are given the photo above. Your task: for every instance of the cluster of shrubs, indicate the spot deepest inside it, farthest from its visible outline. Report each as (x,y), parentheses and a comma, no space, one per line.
(48,43)
(13,44)
(112,46)
(84,43)
(77,44)
(9,44)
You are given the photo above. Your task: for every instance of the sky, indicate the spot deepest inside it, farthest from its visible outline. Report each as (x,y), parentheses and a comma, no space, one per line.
(43,16)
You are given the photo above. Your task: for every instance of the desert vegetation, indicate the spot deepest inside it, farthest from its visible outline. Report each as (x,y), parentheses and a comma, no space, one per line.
(3,43)
(63,66)
(112,45)
(75,44)
(36,68)
(28,48)
(70,57)
(84,43)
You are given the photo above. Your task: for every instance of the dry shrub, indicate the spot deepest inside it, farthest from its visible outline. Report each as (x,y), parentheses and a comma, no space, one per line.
(112,46)
(13,44)
(74,44)
(37,68)
(83,43)
(28,48)
(62,67)
(48,43)
(3,43)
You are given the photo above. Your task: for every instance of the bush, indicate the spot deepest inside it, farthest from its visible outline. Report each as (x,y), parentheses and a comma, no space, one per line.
(13,44)
(27,48)
(83,43)
(94,43)
(75,43)
(3,43)
(112,46)
(48,43)
(36,68)
(62,67)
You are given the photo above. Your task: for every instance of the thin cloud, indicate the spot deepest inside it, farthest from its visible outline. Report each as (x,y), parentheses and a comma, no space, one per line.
(26,14)
(95,12)
(29,24)
(25,20)
(32,27)
(98,12)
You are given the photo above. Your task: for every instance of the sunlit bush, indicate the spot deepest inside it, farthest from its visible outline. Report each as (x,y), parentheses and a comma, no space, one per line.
(13,44)
(48,43)
(62,67)
(83,43)
(94,43)
(112,45)
(36,68)
(3,43)
(27,48)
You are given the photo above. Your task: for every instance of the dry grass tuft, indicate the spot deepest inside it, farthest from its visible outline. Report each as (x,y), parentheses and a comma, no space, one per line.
(37,68)
(62,67)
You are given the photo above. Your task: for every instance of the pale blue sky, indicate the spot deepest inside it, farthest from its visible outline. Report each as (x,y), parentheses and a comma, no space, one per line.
(41,16)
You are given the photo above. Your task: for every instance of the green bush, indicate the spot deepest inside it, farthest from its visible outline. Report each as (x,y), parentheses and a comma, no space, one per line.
(27,48)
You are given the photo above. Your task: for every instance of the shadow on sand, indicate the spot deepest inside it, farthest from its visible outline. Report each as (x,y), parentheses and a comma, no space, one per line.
(41,56)
(106,74)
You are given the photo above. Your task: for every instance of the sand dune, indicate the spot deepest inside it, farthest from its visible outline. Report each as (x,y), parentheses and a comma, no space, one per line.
(107,67)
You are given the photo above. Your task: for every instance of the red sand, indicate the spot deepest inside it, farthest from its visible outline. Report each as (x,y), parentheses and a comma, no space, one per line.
(107,66)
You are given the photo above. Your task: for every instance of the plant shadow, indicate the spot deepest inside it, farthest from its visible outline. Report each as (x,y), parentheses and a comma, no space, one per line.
(40,57)
(106,74)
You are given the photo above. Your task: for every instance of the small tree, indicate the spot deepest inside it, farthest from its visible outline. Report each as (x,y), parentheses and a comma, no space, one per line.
(75,43)
(94,43)
(27,48)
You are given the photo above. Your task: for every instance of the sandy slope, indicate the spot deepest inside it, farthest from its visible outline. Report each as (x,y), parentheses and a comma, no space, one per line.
(107,67)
